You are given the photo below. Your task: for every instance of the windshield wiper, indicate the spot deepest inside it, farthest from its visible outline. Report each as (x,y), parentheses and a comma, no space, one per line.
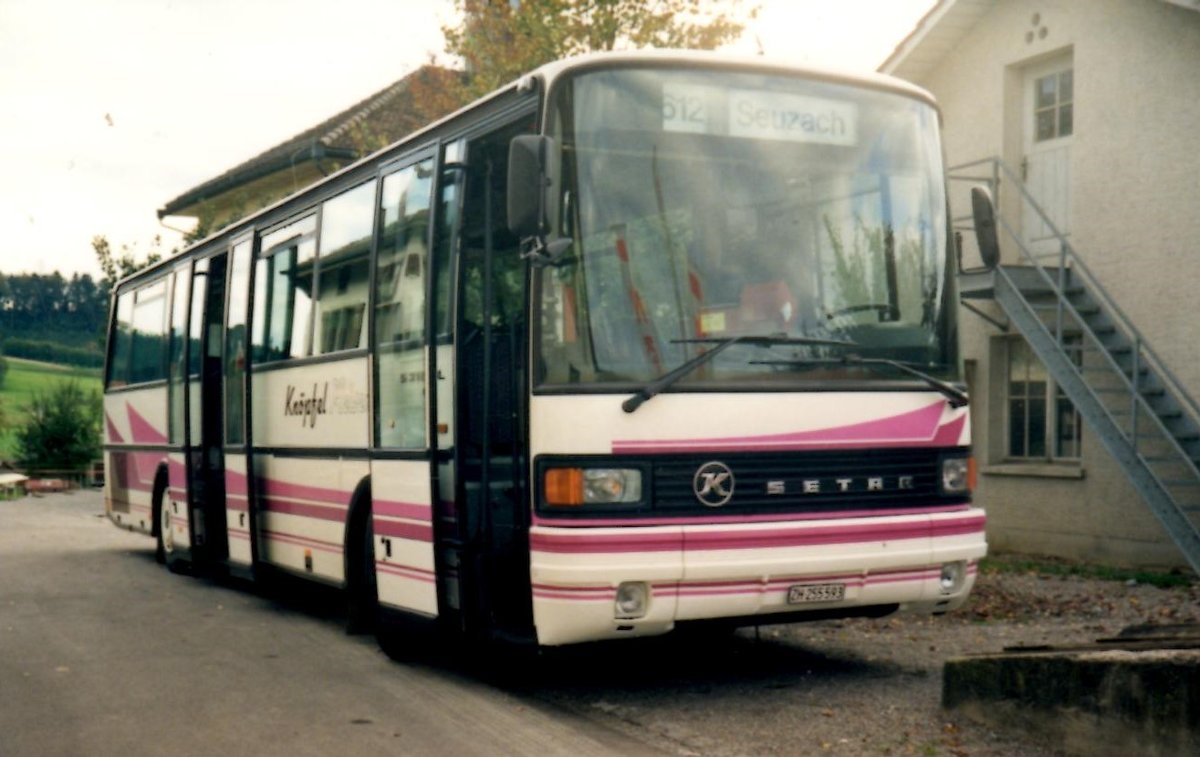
(666,380)
(956,396)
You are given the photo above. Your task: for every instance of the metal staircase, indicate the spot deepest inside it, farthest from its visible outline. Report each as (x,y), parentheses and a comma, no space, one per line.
(1141,412)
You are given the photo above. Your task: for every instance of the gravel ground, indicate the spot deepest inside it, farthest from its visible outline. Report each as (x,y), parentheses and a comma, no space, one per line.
(844,687)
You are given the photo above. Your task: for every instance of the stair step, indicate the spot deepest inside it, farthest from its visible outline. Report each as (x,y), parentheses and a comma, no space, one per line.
(1052,307)
(1181,482)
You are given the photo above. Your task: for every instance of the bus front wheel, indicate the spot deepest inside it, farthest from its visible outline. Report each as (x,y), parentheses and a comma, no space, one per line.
(166,551)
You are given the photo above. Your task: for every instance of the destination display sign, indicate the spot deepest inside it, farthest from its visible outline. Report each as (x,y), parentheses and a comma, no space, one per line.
(759,114)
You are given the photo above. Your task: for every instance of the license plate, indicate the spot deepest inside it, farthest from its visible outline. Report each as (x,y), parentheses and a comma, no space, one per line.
(816,593)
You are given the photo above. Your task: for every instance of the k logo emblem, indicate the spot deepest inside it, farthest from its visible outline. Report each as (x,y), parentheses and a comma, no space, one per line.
(713,484)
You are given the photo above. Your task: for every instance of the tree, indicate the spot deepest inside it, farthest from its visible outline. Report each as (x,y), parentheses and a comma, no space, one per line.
(62,430)
(499,40)
(116,268)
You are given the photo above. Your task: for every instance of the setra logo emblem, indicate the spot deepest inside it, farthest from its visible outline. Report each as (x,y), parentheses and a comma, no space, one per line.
(713,484)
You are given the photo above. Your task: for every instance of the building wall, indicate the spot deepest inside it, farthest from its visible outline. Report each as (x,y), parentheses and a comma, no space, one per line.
(1135,218)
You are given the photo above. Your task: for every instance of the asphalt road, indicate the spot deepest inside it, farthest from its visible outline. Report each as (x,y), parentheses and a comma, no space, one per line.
(103,652)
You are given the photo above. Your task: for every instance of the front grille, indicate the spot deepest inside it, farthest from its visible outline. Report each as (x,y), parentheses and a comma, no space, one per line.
(804,481)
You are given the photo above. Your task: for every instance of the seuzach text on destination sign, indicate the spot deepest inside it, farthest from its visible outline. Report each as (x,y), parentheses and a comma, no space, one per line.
(768,115)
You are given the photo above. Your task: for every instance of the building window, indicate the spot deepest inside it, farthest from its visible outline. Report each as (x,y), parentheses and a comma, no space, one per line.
(1042,423)
(1054,105)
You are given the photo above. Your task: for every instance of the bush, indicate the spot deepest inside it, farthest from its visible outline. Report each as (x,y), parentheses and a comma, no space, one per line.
(3,370)
(63,429)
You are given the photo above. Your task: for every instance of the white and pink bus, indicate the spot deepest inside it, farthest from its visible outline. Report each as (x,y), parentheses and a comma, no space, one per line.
(638,341)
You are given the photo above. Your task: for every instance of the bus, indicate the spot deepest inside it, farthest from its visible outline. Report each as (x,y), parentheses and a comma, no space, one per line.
(639,341)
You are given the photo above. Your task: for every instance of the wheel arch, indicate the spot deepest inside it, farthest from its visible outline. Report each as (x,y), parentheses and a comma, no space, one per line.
(162,481)
(356,518)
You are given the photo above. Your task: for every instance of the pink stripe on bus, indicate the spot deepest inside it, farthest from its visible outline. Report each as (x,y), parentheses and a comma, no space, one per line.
(720,519)
(235,483)
(319,512)
(918,428)
(413,531)
(114,436)
(237,503)
(142,430)
(409,510)
(584,542)
(302,541)
(745,587)
(570,593)
(406,571)
(277,488)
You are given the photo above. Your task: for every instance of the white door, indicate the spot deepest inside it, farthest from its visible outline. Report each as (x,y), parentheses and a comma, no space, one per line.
(1049,120)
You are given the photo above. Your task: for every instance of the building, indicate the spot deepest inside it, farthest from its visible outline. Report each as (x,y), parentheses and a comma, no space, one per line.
(1092,107)
(377,121)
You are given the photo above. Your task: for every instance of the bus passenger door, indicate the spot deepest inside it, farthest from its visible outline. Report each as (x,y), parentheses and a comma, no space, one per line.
(401,461)
(239,512)
(205,427)
(490,386)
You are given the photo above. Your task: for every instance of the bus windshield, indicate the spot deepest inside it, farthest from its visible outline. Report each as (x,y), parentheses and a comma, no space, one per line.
(704,205)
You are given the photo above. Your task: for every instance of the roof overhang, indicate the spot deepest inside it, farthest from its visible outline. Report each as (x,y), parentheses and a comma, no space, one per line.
(187,204)
(940,31)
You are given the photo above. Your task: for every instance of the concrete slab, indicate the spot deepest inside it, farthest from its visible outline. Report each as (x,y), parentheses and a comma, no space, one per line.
(1136,694)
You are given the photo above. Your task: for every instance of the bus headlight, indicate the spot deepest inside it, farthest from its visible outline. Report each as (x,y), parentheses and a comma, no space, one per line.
(571,487)
(958,475)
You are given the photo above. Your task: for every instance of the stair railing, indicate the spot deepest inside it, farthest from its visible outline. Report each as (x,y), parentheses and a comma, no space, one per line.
(1142,352)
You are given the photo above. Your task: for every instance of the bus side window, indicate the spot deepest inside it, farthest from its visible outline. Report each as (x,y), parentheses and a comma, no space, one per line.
(283,291)
(148,344)
(344,266)
(235,344)
(122,341)
(177,354)
(400,307)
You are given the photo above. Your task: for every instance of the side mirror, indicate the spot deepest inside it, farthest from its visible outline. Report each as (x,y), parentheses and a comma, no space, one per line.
(984,212)
(532,185)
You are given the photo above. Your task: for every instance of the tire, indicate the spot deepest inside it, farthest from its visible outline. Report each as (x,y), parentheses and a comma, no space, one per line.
(160,550)
(166,551)
(362,601)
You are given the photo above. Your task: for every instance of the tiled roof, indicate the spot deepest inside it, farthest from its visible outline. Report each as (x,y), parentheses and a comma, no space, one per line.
(388,113)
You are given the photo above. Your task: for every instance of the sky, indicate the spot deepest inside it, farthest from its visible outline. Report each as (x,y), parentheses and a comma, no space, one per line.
(110,108)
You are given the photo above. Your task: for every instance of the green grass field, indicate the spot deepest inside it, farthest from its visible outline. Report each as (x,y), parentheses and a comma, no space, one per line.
(25,377)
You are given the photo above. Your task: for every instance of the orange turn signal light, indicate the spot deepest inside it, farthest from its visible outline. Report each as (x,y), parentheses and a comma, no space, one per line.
(564,487)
